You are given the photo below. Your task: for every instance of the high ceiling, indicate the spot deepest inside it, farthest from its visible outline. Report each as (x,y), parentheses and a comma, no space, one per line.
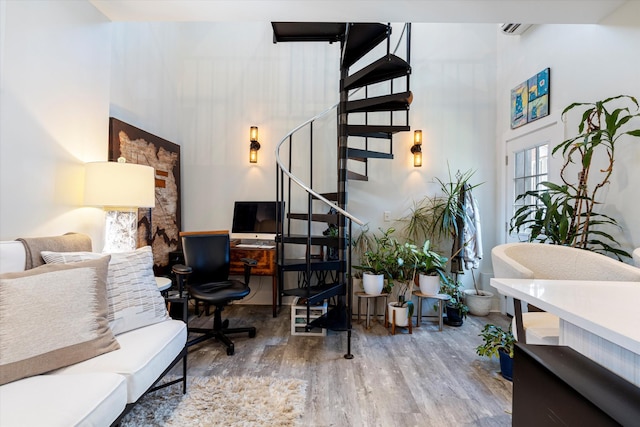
(445,11)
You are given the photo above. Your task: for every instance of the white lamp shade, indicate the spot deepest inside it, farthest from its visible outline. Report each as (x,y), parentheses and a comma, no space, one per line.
(122,185)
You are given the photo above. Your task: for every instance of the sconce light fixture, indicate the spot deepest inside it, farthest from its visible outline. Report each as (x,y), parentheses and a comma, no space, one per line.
(416,149)
(120,188)
(255,145)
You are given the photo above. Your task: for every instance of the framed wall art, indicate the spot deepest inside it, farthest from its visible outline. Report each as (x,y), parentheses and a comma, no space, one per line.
(157,227)
(530,99)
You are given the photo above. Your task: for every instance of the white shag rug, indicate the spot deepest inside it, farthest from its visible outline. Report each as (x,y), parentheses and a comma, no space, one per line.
(222,401)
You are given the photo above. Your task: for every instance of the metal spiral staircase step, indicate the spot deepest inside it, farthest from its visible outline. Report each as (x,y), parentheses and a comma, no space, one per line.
(362,155)
(354,176)
(336,319)
(308,31)
(361,38)
(393,102)
(329,196)
(316,294)
(301,239)
(295,264)
(375,131)
(328,218)
(386,68)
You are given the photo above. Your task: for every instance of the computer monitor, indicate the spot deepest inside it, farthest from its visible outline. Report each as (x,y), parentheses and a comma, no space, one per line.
(256,220)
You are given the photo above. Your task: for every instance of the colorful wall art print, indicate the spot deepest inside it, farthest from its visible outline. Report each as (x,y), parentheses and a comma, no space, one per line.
(530,99)
(519,102)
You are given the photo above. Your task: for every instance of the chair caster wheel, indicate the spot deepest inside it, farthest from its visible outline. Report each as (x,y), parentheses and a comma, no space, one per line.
(252,334)
(230,351)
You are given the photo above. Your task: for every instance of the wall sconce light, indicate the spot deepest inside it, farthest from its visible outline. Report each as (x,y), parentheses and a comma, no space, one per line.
(416,149)
(120,188)
(255,145)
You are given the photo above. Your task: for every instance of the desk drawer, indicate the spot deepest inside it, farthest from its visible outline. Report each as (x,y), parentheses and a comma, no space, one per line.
(266,261)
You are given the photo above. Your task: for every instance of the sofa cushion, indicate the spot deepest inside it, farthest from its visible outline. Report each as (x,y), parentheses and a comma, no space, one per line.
(53,316)
(144,354)
(63,400)
(134,300)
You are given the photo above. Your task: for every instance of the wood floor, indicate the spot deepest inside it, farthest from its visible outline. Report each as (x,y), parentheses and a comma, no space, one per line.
(429,378)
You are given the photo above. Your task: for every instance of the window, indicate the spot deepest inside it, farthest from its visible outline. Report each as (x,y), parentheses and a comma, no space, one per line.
(530,162)
(530,169)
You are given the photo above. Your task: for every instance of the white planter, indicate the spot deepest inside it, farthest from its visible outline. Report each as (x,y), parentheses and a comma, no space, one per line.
(373,283)
(429,285)
(479,305)
(401,313)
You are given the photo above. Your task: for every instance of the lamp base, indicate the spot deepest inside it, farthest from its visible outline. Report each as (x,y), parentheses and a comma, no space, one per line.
(121,230)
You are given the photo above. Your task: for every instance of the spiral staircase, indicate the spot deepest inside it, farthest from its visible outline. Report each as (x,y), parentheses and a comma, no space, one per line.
(380,86)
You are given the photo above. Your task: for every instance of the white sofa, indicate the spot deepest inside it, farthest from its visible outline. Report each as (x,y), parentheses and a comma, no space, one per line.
(553,262)
(97,391)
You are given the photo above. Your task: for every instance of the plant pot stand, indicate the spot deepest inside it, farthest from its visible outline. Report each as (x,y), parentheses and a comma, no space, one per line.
(441,298)
(392,322)
(367,297)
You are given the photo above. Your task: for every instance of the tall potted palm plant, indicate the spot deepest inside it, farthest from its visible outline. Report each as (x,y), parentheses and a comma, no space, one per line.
(566,213)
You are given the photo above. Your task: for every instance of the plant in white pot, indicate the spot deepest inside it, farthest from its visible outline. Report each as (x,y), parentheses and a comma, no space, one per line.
(479,301)
(361,243)
(431,269)
(402,271)
(375,264)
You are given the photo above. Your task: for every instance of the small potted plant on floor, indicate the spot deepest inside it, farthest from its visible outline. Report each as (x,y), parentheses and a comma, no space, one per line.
(456,308)
(498,343)
(431,269)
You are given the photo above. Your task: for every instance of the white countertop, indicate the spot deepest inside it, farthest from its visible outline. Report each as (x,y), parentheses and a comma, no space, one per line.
(610,310)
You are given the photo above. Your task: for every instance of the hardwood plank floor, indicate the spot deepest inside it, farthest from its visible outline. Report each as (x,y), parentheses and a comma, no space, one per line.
(429,378)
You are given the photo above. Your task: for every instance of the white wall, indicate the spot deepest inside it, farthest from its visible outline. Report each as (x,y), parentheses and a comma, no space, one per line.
(54,97)
(588,63)
(202,85)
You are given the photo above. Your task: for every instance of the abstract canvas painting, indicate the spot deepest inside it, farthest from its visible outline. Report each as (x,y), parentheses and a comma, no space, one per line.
(158,227)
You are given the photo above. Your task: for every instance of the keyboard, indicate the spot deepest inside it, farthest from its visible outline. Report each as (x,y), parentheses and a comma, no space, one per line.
(254,246)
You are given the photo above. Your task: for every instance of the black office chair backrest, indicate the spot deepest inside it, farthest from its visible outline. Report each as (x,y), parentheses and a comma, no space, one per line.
(208,256)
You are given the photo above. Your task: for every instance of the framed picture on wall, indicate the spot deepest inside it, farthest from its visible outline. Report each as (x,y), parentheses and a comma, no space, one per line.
(538,96)
(530,99)
(519,102)
(157,227)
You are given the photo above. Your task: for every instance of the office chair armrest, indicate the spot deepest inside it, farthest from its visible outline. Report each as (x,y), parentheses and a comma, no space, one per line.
(249,263)
(181,269)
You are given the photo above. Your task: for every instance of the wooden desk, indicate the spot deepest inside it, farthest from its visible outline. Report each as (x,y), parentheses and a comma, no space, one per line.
(266,267)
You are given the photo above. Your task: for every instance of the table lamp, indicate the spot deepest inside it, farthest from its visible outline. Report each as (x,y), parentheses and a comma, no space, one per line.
(120,188)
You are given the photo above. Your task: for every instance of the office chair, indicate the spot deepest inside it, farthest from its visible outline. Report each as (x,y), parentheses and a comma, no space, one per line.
(206,272)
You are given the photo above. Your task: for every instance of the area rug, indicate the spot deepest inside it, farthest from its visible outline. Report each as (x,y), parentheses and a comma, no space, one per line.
(223,401)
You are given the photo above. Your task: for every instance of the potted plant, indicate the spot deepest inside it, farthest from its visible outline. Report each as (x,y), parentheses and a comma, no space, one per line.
(456,308)
(376,263)
(498,343)
(402,271)
(431,268)
(478,301)
(565,213)
(361,243)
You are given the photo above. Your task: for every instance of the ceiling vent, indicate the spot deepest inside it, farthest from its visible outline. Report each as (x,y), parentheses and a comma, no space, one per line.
(514,29)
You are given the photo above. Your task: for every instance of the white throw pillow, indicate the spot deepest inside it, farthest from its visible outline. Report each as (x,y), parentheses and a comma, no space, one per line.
(134,299)
(53,316)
